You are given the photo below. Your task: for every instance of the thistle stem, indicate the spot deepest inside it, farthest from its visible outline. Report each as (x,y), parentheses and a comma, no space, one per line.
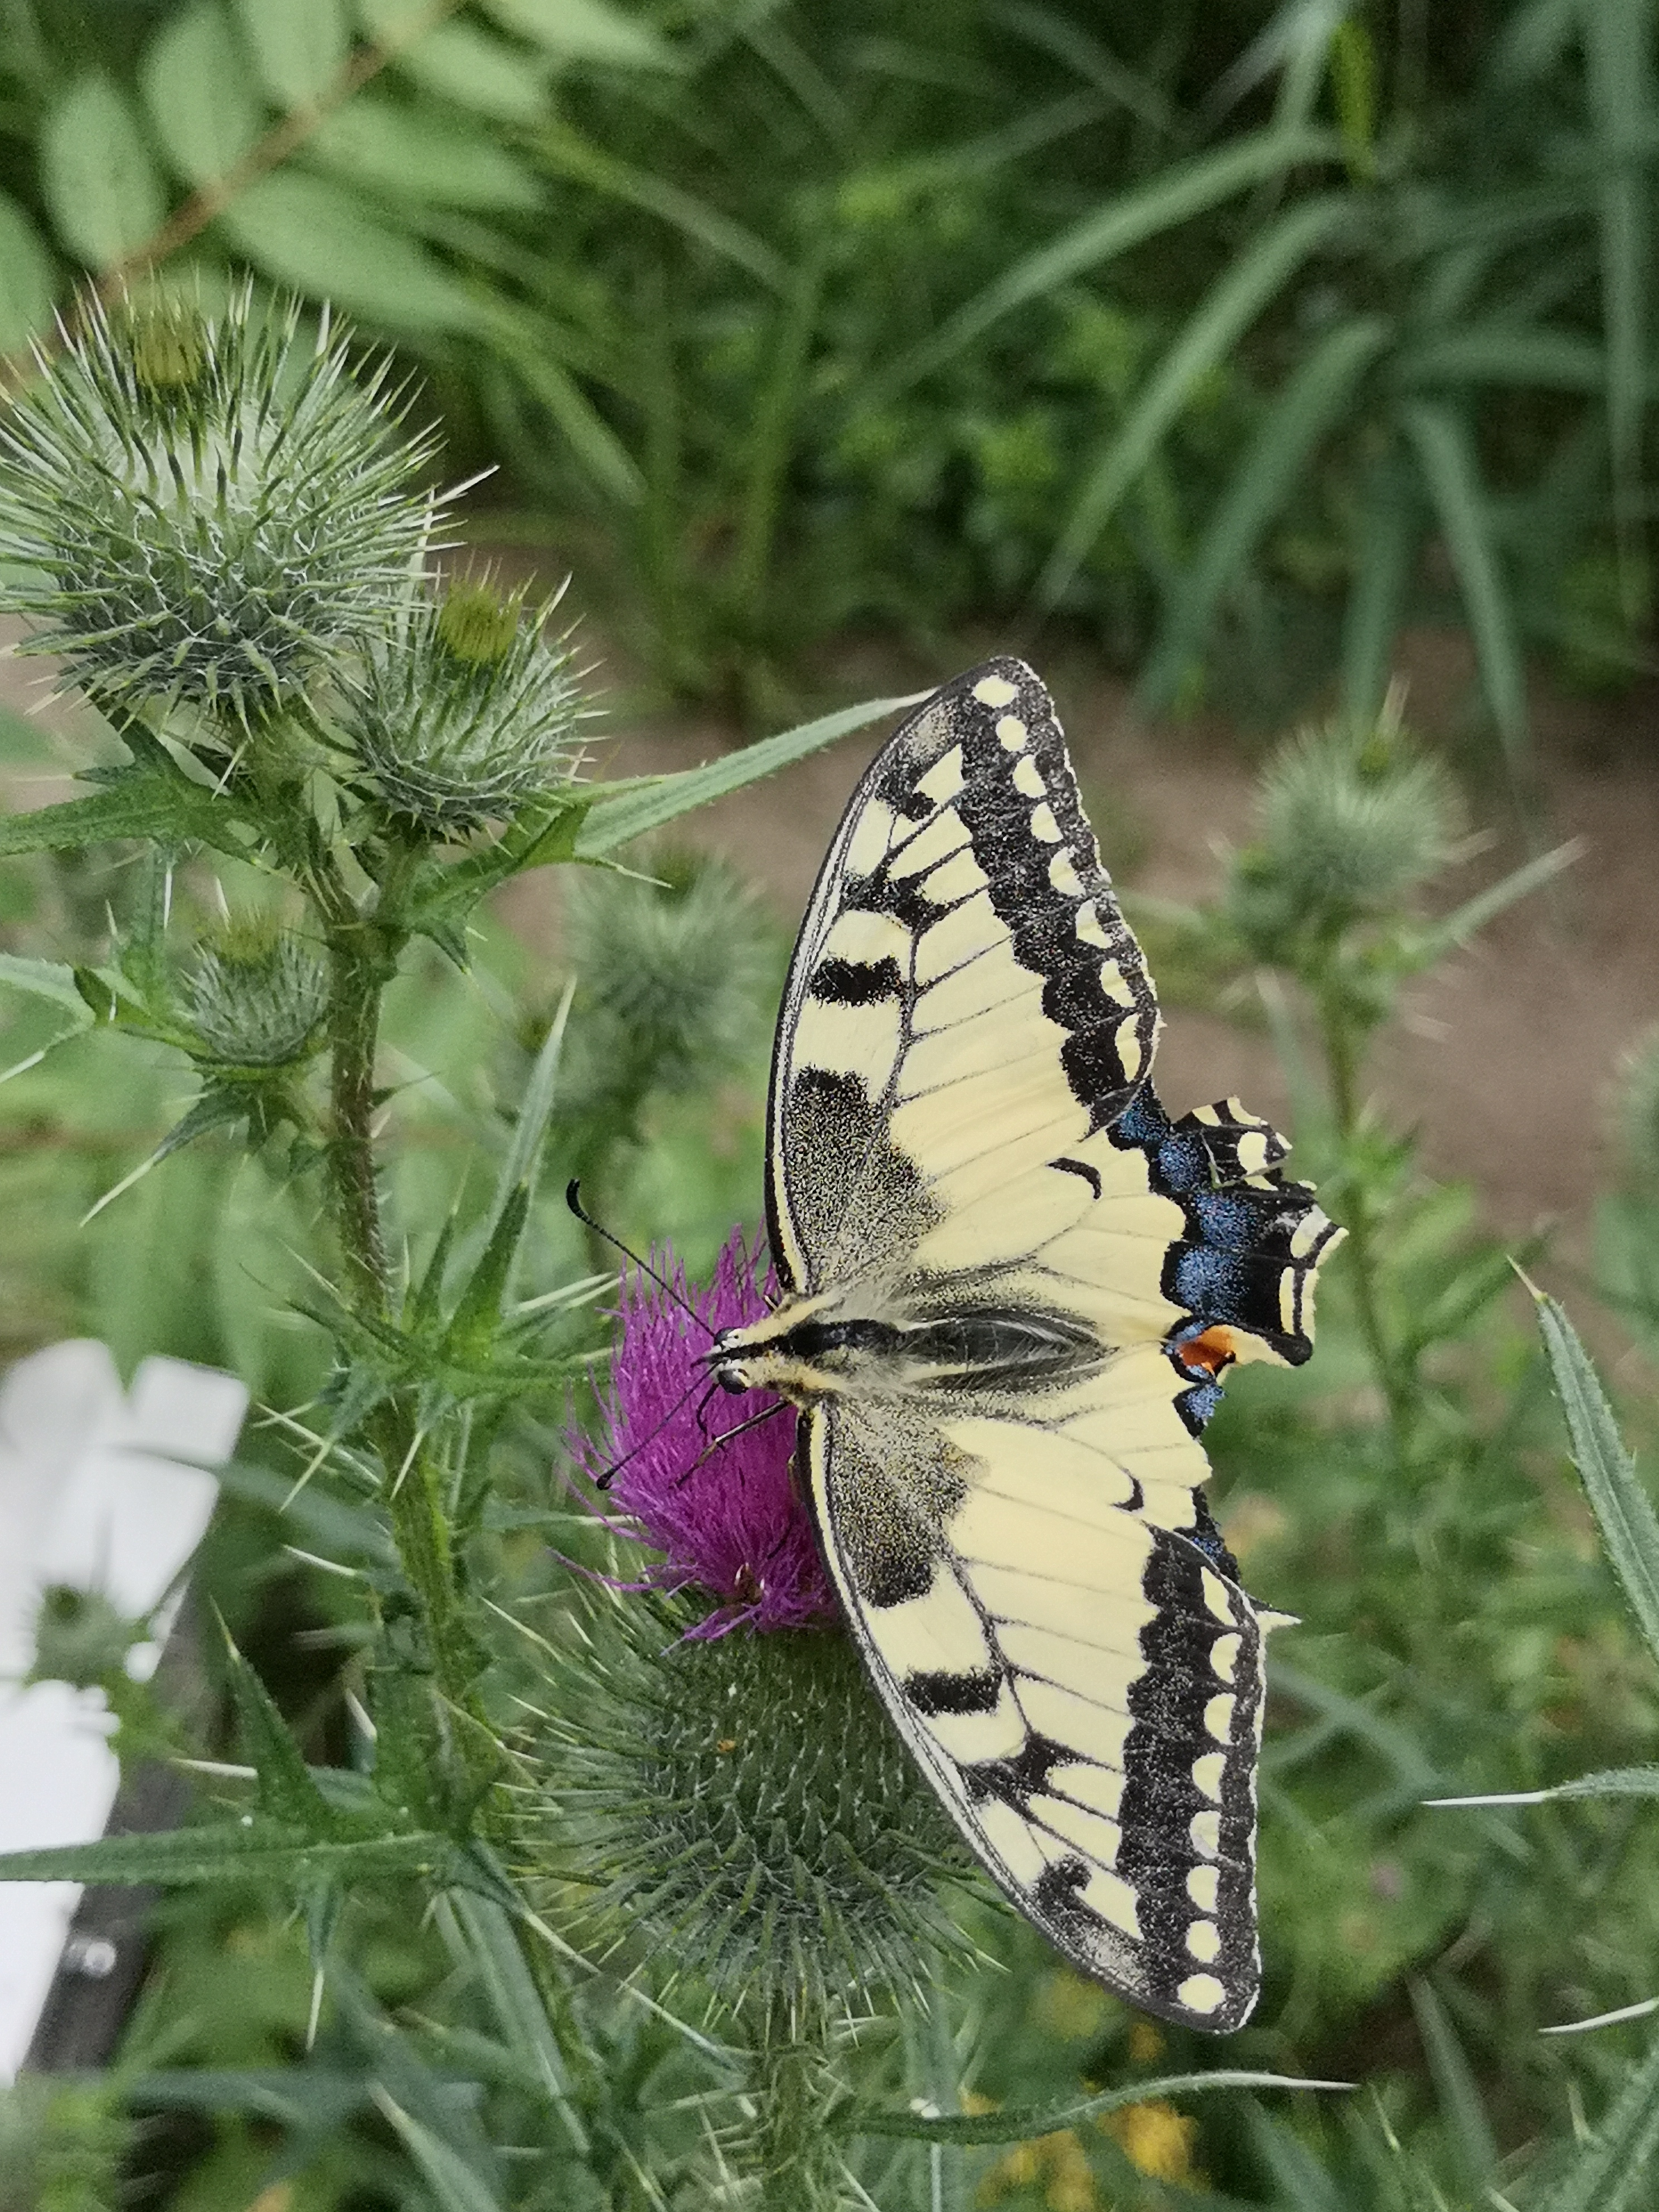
(796,2161)
(363,955)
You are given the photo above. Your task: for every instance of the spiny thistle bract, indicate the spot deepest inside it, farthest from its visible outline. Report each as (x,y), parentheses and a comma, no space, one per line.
(1352,818)
(203,508)
(754,1822)
(670,974)
(254,998)
(465,712)
(757,1823)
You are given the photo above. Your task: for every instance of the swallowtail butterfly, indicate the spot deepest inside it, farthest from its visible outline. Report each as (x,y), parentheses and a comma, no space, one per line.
(1012,1283)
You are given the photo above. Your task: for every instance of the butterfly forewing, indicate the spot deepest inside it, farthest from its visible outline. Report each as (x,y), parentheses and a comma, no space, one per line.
(965,998)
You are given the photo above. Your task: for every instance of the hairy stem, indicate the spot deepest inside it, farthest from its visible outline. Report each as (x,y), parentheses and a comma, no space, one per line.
(363,953)
(795,2159)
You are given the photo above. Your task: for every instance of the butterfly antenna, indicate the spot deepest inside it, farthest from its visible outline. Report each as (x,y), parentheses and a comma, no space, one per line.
(604,1482)
(572,1200)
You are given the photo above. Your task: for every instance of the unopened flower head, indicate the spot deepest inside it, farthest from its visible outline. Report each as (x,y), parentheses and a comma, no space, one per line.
(708,1486)
(465,711)
(204,507)
(255,999)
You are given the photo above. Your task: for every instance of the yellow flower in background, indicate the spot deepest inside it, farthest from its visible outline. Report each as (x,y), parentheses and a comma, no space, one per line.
(1057,2164)
(1157,2139)
(1146,2044)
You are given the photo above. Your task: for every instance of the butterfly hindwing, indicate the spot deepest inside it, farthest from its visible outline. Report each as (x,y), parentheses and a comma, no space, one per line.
(1082,1689)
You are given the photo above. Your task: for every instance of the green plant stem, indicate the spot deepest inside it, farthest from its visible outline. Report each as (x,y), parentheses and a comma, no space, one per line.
(363,954)
(1339,1040)
(796,2162)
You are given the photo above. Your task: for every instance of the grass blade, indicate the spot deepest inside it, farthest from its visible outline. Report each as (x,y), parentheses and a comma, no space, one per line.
(1531,355)
(1445,453)
(1608,2175)
(1623,1510)
(1454,2086)
(1619,84)
(572,156)
(1171,198)
(1388,531)
(1309,403)
(1233,303)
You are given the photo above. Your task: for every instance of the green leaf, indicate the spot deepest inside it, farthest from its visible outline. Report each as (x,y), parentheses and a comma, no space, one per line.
(1623,1510)
(246,1849)
(1232,304)
(1445,453)
(1612,1782)
(516,2001)
(141,802)
(520,1169)
(202,104)
(300,46)
(572,156)
(422,153)
(1618,79)
(583,31)
(462,62)
(27,284)
(330,1522)
(101,185)
(1456,928)
(1389,530)
(1610,2171)
(1456,2088)
(590,437)
(1528,355)
(288,1796)
(1262,485)
(45,979)
(311,234)
(1173,197)
(661,800)
(1018,2123)
(455,2184)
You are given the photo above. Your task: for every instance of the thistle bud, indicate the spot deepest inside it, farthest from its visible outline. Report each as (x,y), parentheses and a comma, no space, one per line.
(465,713)
(757,1821)
(255,999)
(203,509)
(1352,817)
(670,974)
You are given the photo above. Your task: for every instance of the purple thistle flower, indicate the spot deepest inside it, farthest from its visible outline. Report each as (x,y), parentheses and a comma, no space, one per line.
(729,1520)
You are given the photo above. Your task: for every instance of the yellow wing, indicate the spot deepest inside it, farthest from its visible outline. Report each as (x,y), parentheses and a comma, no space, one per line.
(1083,1690)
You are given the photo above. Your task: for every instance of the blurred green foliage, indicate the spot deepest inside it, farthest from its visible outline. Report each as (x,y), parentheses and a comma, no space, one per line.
(1236,336)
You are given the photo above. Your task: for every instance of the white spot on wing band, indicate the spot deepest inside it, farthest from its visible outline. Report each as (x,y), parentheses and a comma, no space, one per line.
(994,692)
(1200,1993)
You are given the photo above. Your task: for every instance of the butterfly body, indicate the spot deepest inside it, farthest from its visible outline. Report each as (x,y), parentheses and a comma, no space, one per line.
(1011,1283)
